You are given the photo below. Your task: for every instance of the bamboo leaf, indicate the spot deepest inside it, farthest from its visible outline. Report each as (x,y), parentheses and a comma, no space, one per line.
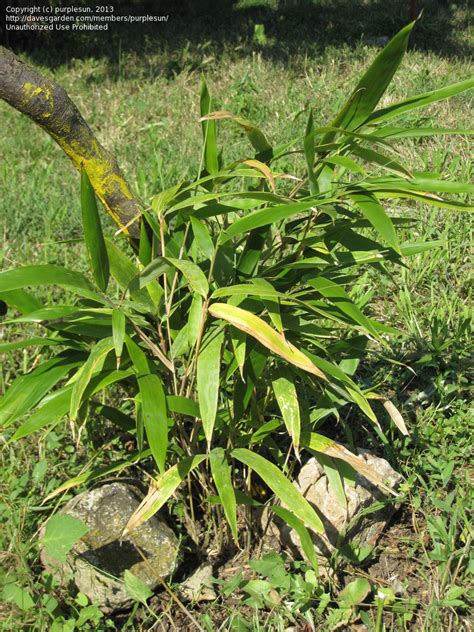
(208,369)
(118,333)
(281,486)
(315,442)
(124,272)
(287,398)
(266,216)
(95,473)
(193,274)
(309,153)
(35,276)
(305,538)
(155,416)
(27,390)
(222,475)
(29,342)
(396,417)
(254,134)
(339,297)
(264,169)
(21,300)
(420,100)
(93,235)
(268,337)
(373,84)
(202,237)
(377,158)
(335,479)
(92,365)
(48,414)
(209,132)
(164,486)
(144,248)
(375,213)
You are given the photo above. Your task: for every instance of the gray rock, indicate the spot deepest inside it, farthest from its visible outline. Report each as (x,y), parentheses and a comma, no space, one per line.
(341,525)
(198,586)
(97,562)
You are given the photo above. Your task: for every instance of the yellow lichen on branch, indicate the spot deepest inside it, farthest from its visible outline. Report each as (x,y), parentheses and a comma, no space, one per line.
(46,103)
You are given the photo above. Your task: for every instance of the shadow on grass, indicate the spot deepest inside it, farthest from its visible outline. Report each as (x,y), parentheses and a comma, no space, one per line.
(198,31)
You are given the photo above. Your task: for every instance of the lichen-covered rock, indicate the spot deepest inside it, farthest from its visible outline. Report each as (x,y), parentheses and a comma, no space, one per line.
(97,562)
(342,524)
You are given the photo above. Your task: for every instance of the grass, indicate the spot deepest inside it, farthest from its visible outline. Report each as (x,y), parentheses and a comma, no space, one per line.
(141,99)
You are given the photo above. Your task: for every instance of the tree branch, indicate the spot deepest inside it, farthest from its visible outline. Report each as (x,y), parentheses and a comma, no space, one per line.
(44,101)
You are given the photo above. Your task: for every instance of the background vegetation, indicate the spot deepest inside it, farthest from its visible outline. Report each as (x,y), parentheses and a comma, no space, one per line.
(140,95)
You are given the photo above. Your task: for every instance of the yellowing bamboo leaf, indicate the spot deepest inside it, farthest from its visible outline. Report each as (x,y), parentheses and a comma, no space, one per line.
(268,337)
(161,490)
(396,417)
(319,443)
(263,168)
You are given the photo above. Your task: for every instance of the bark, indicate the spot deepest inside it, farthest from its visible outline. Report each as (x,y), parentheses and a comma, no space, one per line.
(48,105)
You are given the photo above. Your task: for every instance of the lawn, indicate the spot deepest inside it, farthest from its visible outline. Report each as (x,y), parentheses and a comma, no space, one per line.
(140,95)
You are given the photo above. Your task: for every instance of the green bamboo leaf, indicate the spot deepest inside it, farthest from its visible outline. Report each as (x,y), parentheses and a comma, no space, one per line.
(209,132)
(423,184)
(309,153)
(417,132)
(377,158)
(165,486)
(193,274)
(156,268)
(375,213)
(21,300)
(124,272)
(137,356)
(35,276)
(420,101)
(432,199)
(208,369)
(29,342)
(118,333)
(239,345)
(335,478)
(49,413)
(27,390)
(183,406)
(270,215)
(222,475)
(287,398)
(272,306)
(249,289)
(202,237)
(117,417)
(268,337)
(236,200)
(373,84)
(144,247)
(254,134)
(155,416)
(281,486)
(194,319)
(346,162)
(339,297)
(93,235)
(93,364)
(305,538)
(95,473)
